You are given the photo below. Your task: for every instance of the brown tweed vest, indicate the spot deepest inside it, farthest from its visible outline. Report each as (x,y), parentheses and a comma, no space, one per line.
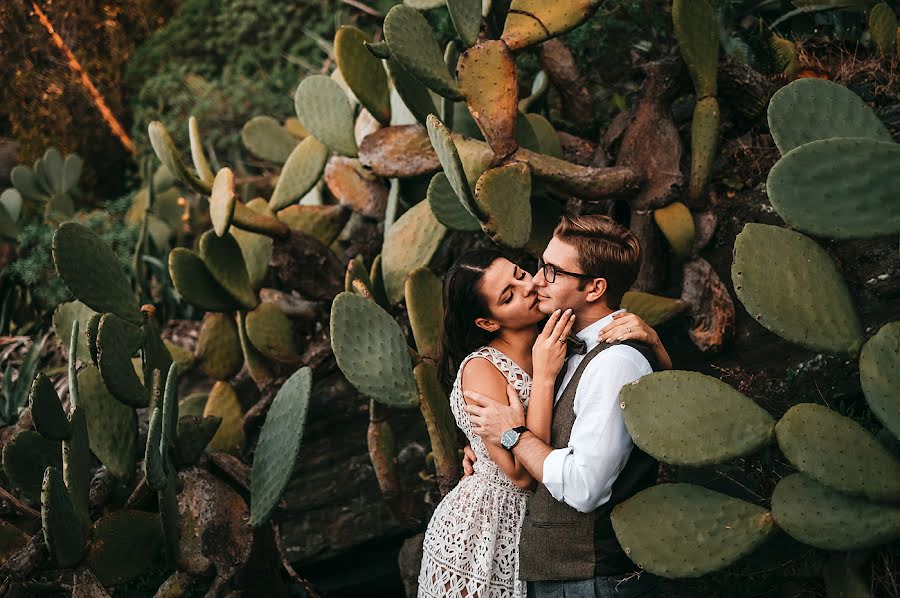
(557,542)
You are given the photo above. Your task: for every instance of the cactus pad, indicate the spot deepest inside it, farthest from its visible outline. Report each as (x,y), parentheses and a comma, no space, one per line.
(223,257)
(487,77)
(697,32)
(812,109)
(682,530)
(223,402)
(425,304)
(440,423)
(219,346)
(91,271)
(546,135)
(370,349)
(154,470)
(354,186)
(64,534)
(76,466)
(821,517)
(531,22)
(790,285)
(69,312)
(265,138)
(324,223)
(652,309)
(25,458)
(838,188)
(112,426)
(193,280)
(836,451)
(300,173)
(201,165)
(323,108)
(664,410)
(447,207)
(192,404)
(414,95)
(879,372)
(412,44)
(356,270)
(114,362)
(124,546)
(503,194)
(47,412)
(256,248)
(451,163)
(171,158)
(883,27)
(399,151)
(272,333)
(545,215)
(677,225)
(257,365)
(193,435)
(409,244)
(222,201)
(466,18)
(363,72)
(704,139)
(279,442)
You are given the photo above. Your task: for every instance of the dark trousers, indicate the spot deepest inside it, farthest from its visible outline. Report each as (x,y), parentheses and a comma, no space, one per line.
(632,585)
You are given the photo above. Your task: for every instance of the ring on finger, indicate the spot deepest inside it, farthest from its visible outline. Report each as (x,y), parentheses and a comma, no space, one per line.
(561,339)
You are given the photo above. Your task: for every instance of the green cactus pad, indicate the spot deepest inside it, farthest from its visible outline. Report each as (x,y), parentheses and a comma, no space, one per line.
(222,201)
(413,45)
(677,225)
(682,530)
(219,346)
(64,315)
(838,452)
(440,423)
(64,534)
(487,77)
(704,139)
(414,95)
(409,244)
(466,18)
(324,223)
(279,442)
(76,465)
(819,516)
(112,426)
(883,27)
(169,416)
(256,248)
(154,470)
(257,365)
(652,309)
(223,402)
(813,109)
(167,501)
(265,138)
(838,188)
(789,284)
(447,207)
(91,271)
(125,545)
(223,257)
(879,372)
(526,135)
(193,280)
(546,135)
(194,434)
(192,404)
(363,72)
(531,22)
(272,333)
(50,168)
(425,305)
(664,410)
(323,108)
(25,458)
(171,158)
(545,215)
(198,155)
(376,276)
(451,59)
(25,181)
(370,349)
(90,333)
(49,418)
(114,362)
(71,171)
(425,4)
(301,172)
(451,163)
(503,194)
(697,32)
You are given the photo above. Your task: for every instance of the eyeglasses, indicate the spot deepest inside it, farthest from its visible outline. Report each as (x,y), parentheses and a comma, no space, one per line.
(550,271)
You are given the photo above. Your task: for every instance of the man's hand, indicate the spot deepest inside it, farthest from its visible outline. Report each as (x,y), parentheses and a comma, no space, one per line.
(490,419)
(469,459)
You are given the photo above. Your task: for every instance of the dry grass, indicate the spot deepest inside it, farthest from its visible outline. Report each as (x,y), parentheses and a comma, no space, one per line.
(853,66)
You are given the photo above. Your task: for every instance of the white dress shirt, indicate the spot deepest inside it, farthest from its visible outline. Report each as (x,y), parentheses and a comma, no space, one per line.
(582,474)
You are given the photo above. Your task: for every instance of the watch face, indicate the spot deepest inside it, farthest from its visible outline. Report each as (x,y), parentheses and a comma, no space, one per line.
(508,439)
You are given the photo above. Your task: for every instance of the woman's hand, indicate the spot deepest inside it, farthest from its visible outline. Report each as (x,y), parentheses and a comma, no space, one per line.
(549,351)
(628,326)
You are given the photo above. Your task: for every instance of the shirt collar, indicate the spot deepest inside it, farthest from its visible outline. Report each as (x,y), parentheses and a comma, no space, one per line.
(590,334)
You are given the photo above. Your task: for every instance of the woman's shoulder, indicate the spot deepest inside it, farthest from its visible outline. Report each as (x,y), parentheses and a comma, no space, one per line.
(481,365)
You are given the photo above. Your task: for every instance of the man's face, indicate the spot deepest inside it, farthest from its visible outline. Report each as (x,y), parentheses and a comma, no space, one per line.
(563,292)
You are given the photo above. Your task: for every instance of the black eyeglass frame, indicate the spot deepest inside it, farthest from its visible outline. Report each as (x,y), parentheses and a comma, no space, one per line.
(542,265)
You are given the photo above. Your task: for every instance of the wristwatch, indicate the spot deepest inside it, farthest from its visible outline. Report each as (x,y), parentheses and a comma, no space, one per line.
(510,438)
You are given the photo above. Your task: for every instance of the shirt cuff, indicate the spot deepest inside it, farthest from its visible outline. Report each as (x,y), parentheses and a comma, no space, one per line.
(553,471)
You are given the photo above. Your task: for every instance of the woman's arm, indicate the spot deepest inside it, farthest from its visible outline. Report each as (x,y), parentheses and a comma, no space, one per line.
(480,375)
(628,326)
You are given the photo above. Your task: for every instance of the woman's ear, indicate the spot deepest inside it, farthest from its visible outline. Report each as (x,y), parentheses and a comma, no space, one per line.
(486,324)
(596,290)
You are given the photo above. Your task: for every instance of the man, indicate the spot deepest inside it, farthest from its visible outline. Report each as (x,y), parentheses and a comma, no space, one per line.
(567,546)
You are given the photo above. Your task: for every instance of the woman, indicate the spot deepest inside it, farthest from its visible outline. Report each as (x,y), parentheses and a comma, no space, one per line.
(492,339)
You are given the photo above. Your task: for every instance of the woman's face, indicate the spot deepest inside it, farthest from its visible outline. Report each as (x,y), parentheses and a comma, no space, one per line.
(509,294)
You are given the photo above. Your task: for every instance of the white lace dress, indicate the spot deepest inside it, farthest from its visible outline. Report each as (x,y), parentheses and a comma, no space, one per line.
(471,547)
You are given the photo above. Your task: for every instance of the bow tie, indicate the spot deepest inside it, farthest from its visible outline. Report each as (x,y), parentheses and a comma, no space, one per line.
(575,346)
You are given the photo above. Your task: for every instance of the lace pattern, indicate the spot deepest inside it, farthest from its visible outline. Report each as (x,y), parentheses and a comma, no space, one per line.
(471,545)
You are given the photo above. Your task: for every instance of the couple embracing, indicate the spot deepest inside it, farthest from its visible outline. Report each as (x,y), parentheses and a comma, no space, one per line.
(549,453)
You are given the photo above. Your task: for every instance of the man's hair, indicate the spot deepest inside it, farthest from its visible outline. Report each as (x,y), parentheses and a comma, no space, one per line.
(606,249)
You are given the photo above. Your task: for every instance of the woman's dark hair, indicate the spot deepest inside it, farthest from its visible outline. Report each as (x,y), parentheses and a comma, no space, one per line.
(463,304)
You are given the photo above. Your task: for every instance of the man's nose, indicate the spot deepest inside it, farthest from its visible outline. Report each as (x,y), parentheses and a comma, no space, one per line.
(538,279)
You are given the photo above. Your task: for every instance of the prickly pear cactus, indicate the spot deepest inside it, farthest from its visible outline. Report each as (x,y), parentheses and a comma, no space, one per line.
(879,372)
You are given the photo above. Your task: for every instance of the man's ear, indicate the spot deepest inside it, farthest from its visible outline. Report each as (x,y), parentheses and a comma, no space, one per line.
(596,290)
(486,324)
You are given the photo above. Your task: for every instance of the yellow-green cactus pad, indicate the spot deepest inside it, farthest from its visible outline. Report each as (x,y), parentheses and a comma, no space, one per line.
(324,223)
(223,258)
(112,426)
(223,402)
(879,372)
(704,141)
(451,162)
(447,207)
(323,108)
(265,138)
(697,32)
(409,244)
(546,135)
(883,27)
(425,305)
(300,173)
(193,280)
(272,333)
(652,309)
(171,158)
(504,195)
(530,22)
(439,422)
(487,78)
(198,155)
(257,365)
(677,225)
(363,72)
(64,315)
(256,248)
(219,346)
(222,201)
